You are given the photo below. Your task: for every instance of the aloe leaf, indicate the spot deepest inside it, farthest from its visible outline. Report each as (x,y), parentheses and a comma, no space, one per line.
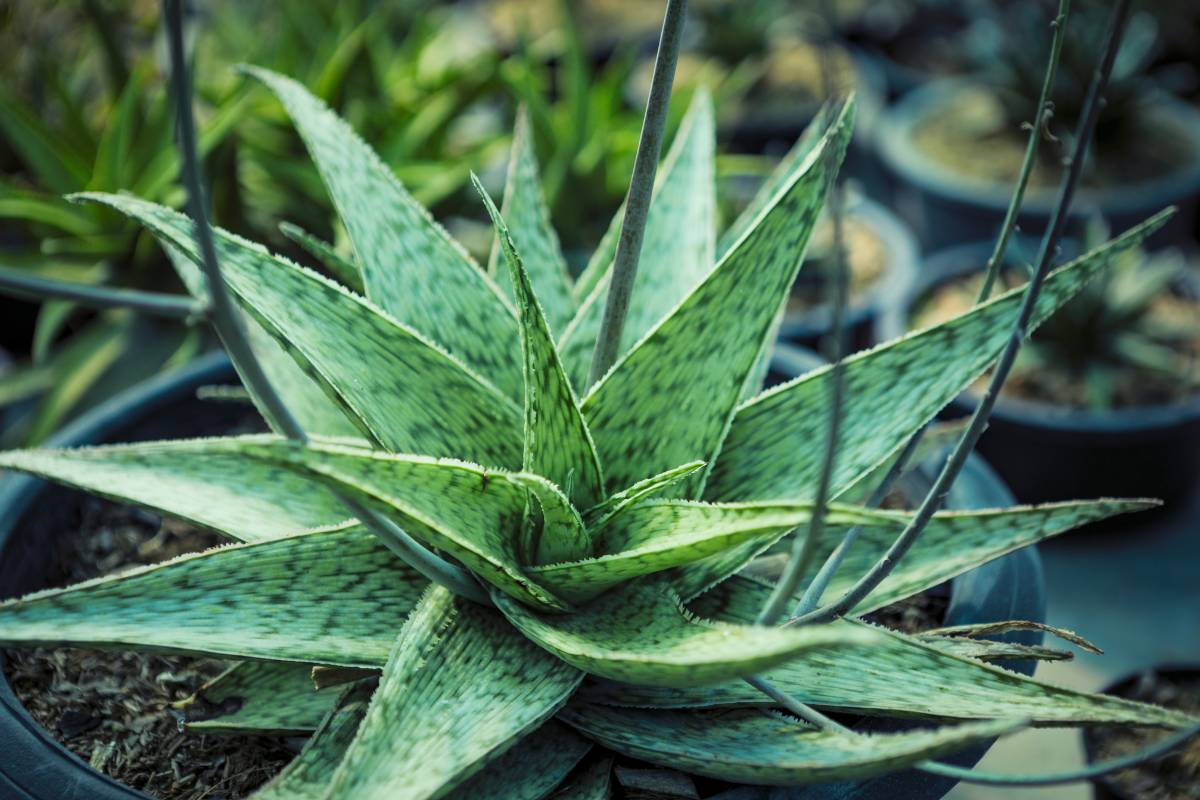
(602,514)
(985,650)
(660,534)
(327,597)
(938,437)
(900,676)
(760,748)
(387,377)
(308,775)
(641,633)
(528,218)
(470,512)
(203,481)
(532,769)
(953,543)
(891,391)
(340,267)
(305,397)
(276,697)
(646,417)
(558,444)
(459,689)
(677,251)
(411,267)
(594,782)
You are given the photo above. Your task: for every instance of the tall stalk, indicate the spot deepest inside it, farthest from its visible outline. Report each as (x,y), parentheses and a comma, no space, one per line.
(816,589)
(803,547)
(641,187)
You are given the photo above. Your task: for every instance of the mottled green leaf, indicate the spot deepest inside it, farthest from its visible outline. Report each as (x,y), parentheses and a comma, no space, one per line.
(890,392)
(308,775)
(203,481)
(528,218)
(328,597)
(411,267)
(593,782)
(340,267)
(670,399)
(986,650)
(261,697)
(305,397)
(468,511)
(558,445)
(953,543)
(401,389)
(460,688)
(937,438)
(532,769)
(657,535)
(641,633)
(761,748)
(677,250)
(601,515)
(900,676)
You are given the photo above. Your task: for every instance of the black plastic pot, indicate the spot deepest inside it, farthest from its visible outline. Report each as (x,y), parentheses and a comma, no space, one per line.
(808,328)
(34,766)
(945,207)
(1046,452)
(1012,587)
(1104,788)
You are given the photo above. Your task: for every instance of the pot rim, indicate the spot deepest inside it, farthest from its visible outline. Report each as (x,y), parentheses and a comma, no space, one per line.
(897,150)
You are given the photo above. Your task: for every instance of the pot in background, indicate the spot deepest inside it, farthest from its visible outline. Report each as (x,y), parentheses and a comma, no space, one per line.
(1046,452)
(946,207)
(807,327)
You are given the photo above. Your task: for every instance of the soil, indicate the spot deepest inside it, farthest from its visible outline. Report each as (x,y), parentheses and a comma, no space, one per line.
(866,256)
(1037,376)
(113,708)
(1174,777)
(974,138)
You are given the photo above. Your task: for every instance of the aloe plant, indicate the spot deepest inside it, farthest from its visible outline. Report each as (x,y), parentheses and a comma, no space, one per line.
(441,423)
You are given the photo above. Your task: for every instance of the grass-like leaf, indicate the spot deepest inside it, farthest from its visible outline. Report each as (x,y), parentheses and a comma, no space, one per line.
(677,251)
(642,634)
(385,375)
(276,697)
(330,597)
(558,444)
(528,218)
(460,687)
(761,748)
(669,400)
(890,392)
(411,267)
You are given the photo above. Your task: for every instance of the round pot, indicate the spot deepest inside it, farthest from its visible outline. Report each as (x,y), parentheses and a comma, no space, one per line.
(1012,587)
(1104,787)
(1046,452)
(34,765)
(946,207)
(807,328)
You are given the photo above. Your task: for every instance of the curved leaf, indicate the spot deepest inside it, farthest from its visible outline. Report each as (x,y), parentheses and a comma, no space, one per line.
(759,748)
(275,697)
(532,769)
(460,687)
(641,634)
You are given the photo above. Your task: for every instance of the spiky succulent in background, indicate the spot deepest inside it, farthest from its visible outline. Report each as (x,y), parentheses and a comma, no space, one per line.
(605,525)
